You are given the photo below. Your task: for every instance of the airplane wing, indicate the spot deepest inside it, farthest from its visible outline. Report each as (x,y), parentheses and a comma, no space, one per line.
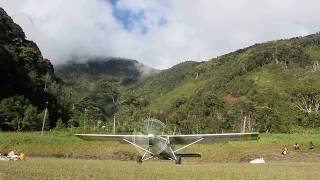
(108,137)
(177,139)
(211,138)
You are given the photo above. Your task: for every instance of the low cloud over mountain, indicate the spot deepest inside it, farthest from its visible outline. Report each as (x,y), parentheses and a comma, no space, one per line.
(158,33)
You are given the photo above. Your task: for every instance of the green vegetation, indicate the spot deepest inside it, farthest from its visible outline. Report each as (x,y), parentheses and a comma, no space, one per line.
(113,160)
(19,114)
(24,79)
(48,168)
(314,53)
(126,72)
(272,86)
(103,80)
(65,144)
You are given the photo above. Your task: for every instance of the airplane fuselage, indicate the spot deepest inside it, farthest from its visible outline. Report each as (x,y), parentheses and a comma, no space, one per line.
(164,149)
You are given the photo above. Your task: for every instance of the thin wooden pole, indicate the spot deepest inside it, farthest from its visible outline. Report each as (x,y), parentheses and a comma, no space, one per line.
(114,124)
(44,120)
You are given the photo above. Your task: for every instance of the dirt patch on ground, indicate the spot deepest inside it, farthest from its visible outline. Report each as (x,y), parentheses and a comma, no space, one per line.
(231,99)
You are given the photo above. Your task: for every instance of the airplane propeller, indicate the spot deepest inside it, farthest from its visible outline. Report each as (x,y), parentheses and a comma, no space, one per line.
(150,138)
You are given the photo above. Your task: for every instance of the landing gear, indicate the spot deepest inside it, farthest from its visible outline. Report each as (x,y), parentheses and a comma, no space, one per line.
(178,160)
(139,159)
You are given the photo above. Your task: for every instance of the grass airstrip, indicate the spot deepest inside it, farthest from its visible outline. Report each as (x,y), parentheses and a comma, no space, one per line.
(60,155)
(54,168)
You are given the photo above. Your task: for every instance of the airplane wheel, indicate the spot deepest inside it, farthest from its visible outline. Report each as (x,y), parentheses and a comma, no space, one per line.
(178,160)
(139,159)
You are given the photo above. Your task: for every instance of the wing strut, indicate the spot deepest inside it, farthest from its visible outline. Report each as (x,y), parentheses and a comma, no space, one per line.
(137,146)
(173,153)
(189,145)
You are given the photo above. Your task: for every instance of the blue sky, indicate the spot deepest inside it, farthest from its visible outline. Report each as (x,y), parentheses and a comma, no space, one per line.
(130,19)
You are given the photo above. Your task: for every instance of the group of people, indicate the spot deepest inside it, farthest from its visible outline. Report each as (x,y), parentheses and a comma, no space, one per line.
(296,146)
(14,155)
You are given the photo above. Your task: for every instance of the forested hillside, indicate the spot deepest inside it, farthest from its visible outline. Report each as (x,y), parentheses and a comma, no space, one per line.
(28,85)
(269,87)
(23,72)
(103,80)
(127,73)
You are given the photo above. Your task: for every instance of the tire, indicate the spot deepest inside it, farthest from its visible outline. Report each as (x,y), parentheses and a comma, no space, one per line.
(178,160)
(139,159)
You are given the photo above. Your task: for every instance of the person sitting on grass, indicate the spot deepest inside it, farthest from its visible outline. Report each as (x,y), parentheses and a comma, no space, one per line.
(284,150)
(296,146)
(22,156)
(13,155)
(10,154)
(311,145)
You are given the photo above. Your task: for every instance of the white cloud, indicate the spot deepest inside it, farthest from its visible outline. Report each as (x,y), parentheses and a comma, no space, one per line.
(190,30)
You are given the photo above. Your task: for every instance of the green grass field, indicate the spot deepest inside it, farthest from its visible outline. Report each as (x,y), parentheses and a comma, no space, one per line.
(66,145)
(54,168)
(61,155)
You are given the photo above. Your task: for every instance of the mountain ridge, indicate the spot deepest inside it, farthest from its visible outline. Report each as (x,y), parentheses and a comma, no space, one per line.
(132,71)
(270,87)
(23,75)
(250,83)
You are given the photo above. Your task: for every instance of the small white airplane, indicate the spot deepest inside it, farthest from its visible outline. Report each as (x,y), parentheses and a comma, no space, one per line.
(162,146)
